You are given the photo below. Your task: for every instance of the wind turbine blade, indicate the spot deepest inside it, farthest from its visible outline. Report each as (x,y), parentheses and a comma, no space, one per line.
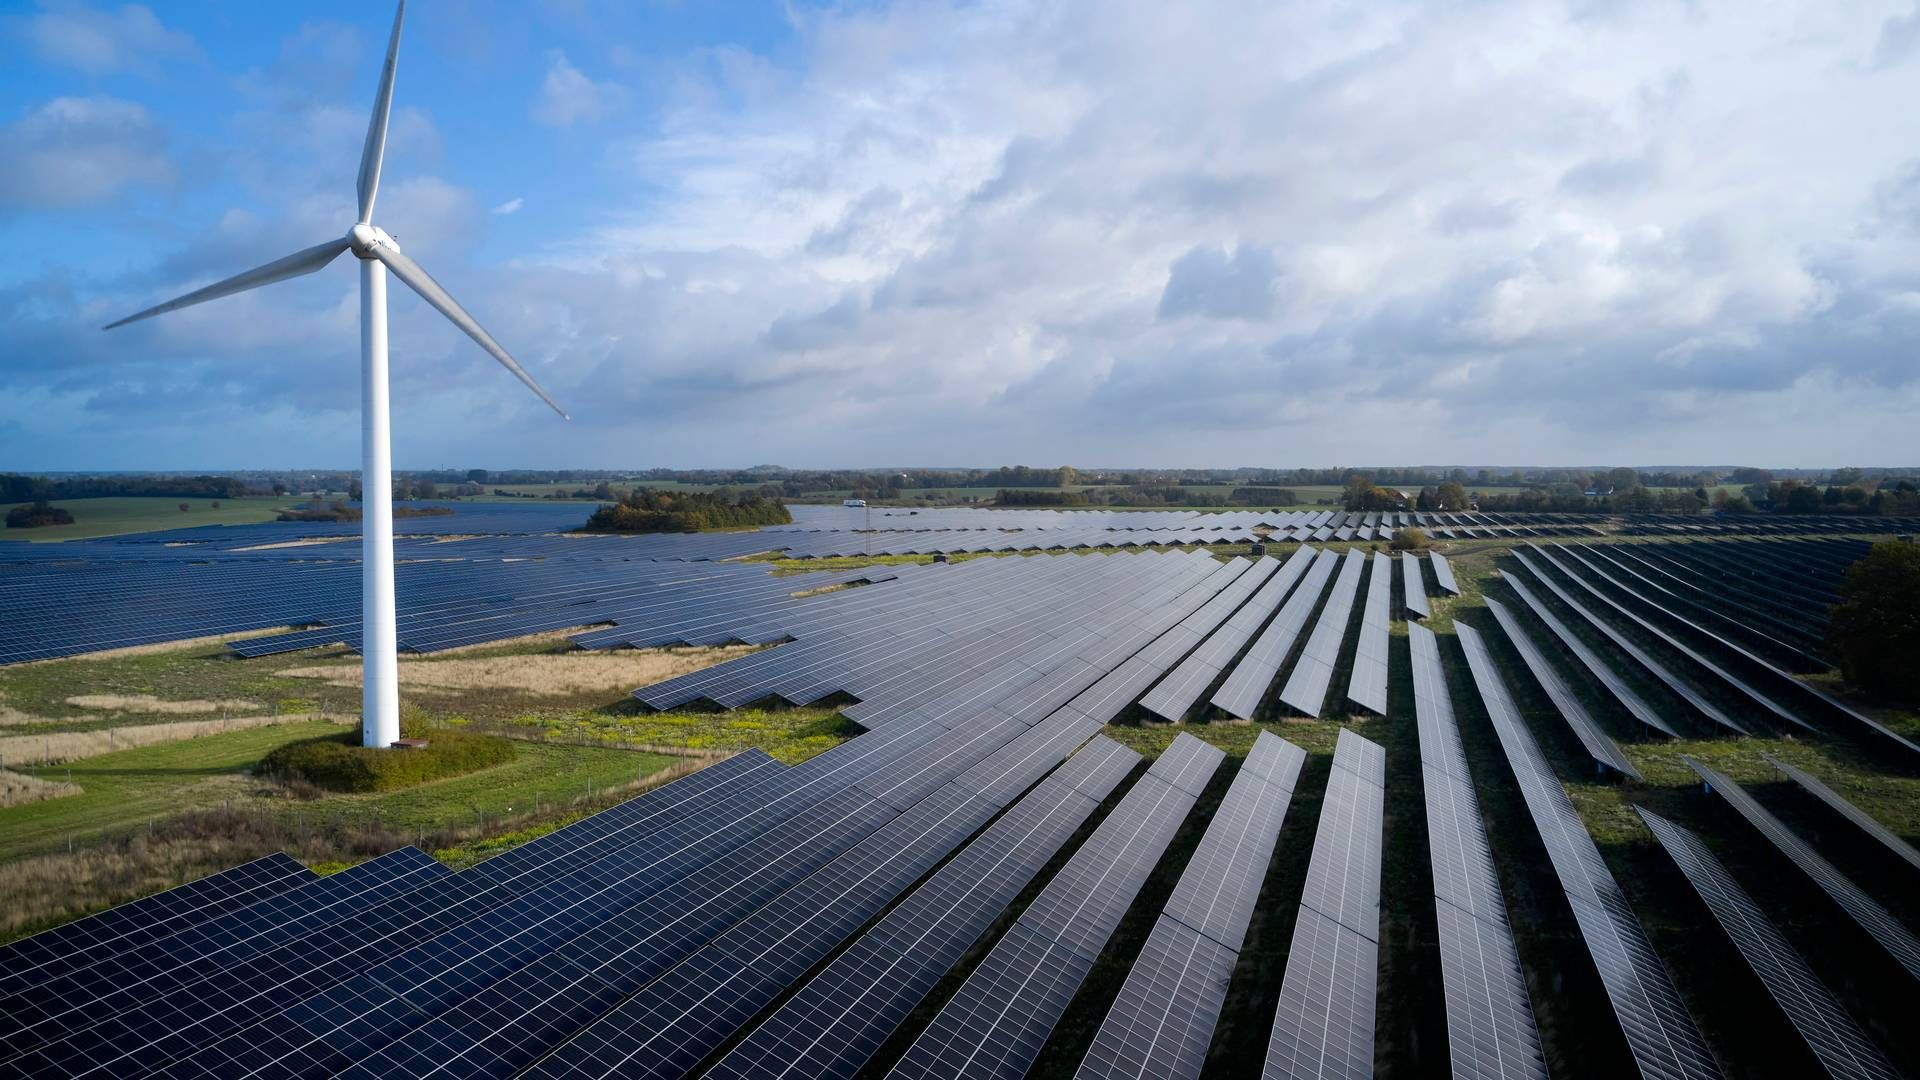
(375,150)
(294,265)
(421,282)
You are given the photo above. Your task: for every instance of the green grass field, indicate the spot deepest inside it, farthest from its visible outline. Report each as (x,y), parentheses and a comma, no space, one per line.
(113,516)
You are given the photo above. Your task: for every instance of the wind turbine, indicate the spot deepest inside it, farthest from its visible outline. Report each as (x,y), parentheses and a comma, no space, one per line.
(380,696)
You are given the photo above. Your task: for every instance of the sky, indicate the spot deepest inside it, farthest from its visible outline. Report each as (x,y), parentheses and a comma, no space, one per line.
(1103,233)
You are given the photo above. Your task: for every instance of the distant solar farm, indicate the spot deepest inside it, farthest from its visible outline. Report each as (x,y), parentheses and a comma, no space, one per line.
(1151,793)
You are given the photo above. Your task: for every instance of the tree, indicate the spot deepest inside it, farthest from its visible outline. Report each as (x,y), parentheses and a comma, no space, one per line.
(1623,479)
(40,513)
(1409,539)
(1451,496)
(1875,631)
(1069,476)
(184,507)
(476,476)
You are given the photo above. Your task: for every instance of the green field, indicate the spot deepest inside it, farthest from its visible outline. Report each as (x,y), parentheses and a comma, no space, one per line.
(113,516)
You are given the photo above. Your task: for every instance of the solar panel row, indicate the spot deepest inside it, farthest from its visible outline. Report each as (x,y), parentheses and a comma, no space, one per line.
(1175,695)
(1838,803)
(1490,1028)
(1599,745)
(1829,1031)
(1679,687)
(997,1022)
(1367,685)
(1414,586)
(1660,1034)
(1163,1019)
(1246,685)
(1324,1024)
(1880,925)
(1603,672)
(1306,688)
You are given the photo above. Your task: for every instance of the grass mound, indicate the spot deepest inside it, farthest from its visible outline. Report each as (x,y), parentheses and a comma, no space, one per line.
(340,763)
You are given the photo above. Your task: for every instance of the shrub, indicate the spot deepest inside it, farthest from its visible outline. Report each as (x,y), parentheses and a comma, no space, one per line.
(340,763)
(1875,632)
(1410,539)
(36,515)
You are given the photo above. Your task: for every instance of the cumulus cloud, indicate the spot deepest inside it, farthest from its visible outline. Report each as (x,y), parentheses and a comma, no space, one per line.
(1222,284)
(568,98)
(511,206)
(1123,233)
(73,151)
(97,41)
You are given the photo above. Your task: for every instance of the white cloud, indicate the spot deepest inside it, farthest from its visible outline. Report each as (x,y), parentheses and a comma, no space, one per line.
(100,42)
(72,151)
(511,206)
(1128,232)
(568,97)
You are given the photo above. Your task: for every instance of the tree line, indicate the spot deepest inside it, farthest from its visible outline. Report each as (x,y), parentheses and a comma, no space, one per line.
(652,510)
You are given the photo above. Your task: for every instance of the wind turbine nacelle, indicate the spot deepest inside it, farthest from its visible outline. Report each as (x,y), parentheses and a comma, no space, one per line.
(363,238)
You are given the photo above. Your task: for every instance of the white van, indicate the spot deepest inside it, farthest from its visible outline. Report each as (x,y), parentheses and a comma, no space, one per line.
(855,503)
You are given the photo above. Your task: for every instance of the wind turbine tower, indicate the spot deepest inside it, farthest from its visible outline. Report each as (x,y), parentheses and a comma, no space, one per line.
(378,254)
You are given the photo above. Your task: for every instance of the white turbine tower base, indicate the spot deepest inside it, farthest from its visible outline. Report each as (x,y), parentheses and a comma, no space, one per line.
(379,645)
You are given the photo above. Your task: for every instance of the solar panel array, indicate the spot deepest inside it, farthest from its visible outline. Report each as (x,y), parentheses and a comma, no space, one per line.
(1680,687)
(1490,1028)
(999,1019)
(1443,573)
(1174,696)
(1324,1024)
(1164,1016)
(1600,746)
(1862,820)
(1880,925)
(1367,685)
(1306,688)
(1833,1035)
(836,1022)
(1603,672)
(1246,685)
(1660,1034)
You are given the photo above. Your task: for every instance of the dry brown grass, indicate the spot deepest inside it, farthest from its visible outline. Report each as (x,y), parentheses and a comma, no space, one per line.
(12,717)
(18,788)
(46,890)
(147,703)
(542,675)
(73,745)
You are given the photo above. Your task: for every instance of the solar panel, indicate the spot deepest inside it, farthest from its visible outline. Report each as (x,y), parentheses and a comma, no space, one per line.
(1414,587)
(1324,1024)
(1490,1028)
(1839,804)
(997,1022)
(836,1022)
(1443,573)
(1886,931)
(1829,1031)
(1660,1034)
(1600,747)
(1367,685)
(1164,1016)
